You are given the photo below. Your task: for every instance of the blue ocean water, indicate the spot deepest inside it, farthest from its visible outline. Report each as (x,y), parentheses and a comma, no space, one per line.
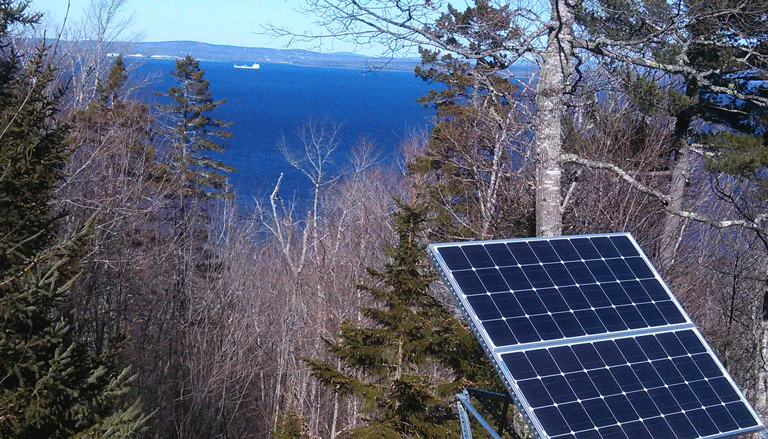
(278,99)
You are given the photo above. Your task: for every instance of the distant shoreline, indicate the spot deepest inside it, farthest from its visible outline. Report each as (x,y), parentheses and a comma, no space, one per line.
(266,65)
(249,55)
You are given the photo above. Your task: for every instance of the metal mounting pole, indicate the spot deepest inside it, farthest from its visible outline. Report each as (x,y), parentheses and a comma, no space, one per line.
(466,429)
(465,432)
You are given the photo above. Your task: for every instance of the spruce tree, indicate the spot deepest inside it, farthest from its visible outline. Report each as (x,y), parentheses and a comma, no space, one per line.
(198,181)
(406,331)
(108,91)
(51,386)
(192,131)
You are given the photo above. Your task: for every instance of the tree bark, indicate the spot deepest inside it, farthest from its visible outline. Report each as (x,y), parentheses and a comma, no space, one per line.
(761,387)
(554,71)
(673,224)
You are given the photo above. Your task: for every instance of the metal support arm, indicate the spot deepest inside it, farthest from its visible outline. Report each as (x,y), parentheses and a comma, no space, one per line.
(466,406)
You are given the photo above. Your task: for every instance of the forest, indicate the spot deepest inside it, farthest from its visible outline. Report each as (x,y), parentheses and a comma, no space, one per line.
(138,298)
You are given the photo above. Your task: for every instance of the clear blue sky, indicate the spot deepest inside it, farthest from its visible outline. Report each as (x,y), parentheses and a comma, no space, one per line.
(232,22)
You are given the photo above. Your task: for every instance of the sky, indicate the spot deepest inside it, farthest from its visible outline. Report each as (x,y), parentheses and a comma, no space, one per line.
(229,22)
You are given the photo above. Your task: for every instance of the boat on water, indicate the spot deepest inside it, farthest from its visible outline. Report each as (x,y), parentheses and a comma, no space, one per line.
(254,66)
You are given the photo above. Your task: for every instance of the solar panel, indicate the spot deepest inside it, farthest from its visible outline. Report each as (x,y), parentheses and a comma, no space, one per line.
(589,340)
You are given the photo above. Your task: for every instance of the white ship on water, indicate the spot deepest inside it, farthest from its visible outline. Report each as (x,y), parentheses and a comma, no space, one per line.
(243,66)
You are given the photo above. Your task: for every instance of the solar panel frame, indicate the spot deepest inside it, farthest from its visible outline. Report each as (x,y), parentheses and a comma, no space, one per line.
(621,324)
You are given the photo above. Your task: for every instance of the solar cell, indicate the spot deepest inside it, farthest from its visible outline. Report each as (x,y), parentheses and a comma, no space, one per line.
(589,340)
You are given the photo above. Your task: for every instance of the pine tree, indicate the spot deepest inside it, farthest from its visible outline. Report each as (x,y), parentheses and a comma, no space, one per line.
(408,331)
(192,130)
(50,385)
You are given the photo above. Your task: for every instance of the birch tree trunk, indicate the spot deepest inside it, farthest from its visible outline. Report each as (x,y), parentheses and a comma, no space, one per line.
(554,71)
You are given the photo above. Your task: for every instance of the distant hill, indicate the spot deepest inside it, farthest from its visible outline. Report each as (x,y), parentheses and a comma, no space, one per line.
(250,55)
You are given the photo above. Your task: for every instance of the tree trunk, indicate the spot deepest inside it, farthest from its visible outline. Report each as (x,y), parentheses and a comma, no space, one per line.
(673,224)
(554,70)
(761,387)
(336,399)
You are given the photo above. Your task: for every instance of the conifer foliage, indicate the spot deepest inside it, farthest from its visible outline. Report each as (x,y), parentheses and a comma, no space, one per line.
(386,361)
(470,171)
(50,385)
(192,131)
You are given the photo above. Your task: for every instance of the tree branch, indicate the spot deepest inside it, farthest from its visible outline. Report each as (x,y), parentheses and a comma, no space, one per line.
(755,224)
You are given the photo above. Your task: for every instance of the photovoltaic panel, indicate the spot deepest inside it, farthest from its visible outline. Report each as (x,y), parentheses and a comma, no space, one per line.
(590,341)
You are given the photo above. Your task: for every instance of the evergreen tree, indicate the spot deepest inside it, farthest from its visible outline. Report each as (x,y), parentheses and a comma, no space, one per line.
(702,64)
(715,54)
(198,181)
(471,170)
(737,96)
(386,361)
(50,385)
(108,91)
(110,116)
(192,131)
